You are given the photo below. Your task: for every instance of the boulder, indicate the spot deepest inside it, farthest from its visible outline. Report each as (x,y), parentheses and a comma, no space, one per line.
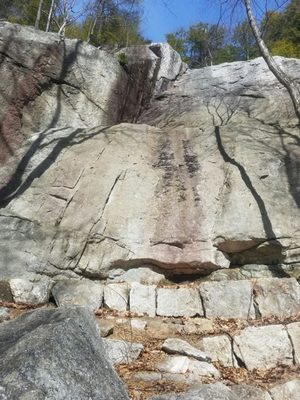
(138,324)
(5,292)
(203,392)
(286,391)
(219,348)
(218,391)
(181,347)
(121,351)
(263,347)
(185,365)
(116,296)
(143,299)
(171,65)
(32,290)
(55,354)
(53,82)
(143,275)
(4,314)
(246,392)
(227,299)
(293,330)
(277,297)
(81,293)
(181,302)
(106,327)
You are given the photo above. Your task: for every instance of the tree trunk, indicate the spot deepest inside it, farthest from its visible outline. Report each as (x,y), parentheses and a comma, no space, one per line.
(97,18)
(279,74)
(38,15)
(50,15)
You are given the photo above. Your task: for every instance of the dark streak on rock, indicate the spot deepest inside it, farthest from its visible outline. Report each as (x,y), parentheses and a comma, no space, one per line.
(190,158)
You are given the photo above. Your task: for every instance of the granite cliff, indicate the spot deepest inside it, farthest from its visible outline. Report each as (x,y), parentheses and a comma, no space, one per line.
(118,180)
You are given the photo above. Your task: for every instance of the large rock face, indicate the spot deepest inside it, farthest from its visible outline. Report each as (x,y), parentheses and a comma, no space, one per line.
(56,354)
(207,179)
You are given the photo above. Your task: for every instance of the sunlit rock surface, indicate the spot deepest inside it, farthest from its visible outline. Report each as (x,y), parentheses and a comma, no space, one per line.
(206,179)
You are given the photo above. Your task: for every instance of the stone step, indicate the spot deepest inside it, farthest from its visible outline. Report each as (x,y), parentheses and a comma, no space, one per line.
(180,353)
(259,356)
(243,299)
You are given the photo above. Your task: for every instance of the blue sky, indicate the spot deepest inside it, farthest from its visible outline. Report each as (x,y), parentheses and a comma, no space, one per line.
(159,19)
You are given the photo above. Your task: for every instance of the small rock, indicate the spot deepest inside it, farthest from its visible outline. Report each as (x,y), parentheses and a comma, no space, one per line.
(263,346)
(116,296)
(4,314)
(175,365)
(287,391)
(202,368)
(294,333)
(138,324)
(182,302)
(233,299)
(277,297)
(106,327)
(197,326)
(179,346)
(81,293)
(121,351)
(182,365)
(219,348)
(5,292)
(143,275)
(147,376)
(143,299)
(245,392)
(216,391)
(31,291)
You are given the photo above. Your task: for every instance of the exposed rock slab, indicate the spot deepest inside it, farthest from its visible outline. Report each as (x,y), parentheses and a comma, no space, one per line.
(51,82)
(55,354)
(214,183)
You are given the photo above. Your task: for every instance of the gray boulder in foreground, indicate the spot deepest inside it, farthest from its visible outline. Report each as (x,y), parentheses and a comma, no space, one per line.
(55,354)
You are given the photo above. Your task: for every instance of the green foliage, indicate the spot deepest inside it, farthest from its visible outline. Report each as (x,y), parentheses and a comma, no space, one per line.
(285,48)
(282,30)
(108,23)
(23,11)
(123,59)
(204,44)
(244,41)
(178,40)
